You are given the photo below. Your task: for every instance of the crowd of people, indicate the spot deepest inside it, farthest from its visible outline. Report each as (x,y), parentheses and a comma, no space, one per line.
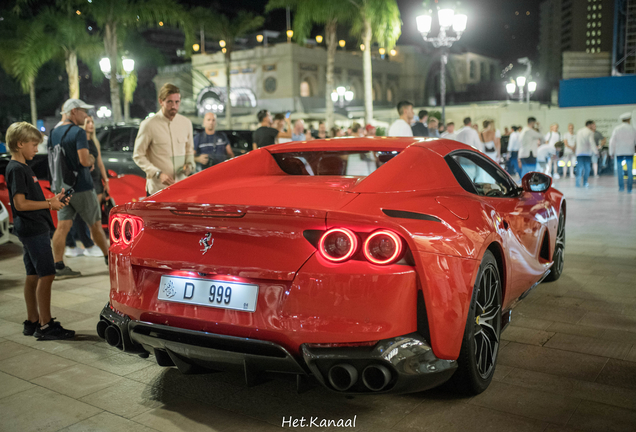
(526,149)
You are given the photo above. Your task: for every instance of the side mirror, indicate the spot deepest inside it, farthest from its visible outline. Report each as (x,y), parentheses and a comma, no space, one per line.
(536,182)
(111,173)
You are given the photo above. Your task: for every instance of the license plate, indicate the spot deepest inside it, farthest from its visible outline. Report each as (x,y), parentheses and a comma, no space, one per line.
(207,292)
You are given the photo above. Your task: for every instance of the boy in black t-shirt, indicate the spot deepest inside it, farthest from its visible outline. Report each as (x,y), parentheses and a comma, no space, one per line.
(33,225)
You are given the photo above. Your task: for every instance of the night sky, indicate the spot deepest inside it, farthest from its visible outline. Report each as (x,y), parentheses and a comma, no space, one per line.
(494,28)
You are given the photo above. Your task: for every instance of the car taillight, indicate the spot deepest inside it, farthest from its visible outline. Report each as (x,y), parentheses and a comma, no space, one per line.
(125,228)
(338,244)
(382,247)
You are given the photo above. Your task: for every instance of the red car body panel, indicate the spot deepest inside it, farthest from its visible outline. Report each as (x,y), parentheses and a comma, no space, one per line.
(258,214)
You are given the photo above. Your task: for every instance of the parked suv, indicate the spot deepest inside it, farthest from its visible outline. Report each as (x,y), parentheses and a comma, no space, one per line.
(118,141)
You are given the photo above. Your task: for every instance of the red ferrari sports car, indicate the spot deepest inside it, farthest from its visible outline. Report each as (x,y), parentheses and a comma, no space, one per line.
(371,264)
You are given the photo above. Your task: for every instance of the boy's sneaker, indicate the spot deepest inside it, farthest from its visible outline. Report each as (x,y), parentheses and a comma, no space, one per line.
(73,252)
(66,273)
(53,330)
(30,327)
(93,251)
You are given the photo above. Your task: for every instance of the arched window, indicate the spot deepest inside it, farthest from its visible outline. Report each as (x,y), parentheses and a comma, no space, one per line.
(389,95)
(305,89)
(473,69)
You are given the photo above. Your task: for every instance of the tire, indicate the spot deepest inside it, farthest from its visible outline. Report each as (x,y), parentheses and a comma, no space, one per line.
(558,257)
(480,344)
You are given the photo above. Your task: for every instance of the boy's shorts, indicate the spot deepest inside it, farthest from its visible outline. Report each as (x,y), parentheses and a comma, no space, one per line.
(85,203)
(38,255)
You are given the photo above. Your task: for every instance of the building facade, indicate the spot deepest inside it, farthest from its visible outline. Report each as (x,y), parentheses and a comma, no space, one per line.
(287,76)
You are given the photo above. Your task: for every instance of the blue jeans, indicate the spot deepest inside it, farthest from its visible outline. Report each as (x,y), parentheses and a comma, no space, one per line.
(512,163)
(629,162)
(583,170)
(527,167)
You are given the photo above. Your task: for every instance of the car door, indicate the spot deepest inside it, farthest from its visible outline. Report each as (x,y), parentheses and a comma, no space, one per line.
(520,218)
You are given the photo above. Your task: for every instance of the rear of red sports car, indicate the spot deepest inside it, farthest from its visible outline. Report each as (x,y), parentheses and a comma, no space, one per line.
(259,265)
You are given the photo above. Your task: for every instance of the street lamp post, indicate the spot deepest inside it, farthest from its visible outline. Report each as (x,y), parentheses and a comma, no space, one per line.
(447,20)
(341,94)
(129,66)
(511,89)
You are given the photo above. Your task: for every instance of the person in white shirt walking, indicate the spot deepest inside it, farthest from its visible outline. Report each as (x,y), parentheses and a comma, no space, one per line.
(551,138)
(402,126)
(569,146)
(585,148)
(450,131)
(514,142)
(623,145)
(528,150)
(469,136)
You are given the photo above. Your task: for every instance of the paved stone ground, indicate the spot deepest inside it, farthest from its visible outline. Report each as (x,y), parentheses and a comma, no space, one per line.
(567,363)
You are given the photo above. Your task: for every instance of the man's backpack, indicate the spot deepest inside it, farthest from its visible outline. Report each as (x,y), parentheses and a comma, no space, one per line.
(62,175)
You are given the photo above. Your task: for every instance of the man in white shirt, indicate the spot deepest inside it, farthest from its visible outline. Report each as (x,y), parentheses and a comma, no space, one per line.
(450,132)
(585,148)
(551,138)
(469,136)
(529,148)
(514,142)
(402,126)
(622,145)
(569,146)
(164,147)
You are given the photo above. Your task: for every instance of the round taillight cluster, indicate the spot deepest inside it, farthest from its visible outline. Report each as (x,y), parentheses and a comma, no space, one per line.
(125,228)
(338,244)
(381,247)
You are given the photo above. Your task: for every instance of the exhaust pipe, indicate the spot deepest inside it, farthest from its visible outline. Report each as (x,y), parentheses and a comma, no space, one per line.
(112,336)
(376,377)
(342,376)
(101,329)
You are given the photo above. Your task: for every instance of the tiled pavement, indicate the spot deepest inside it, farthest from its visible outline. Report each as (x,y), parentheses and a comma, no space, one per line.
(568,361)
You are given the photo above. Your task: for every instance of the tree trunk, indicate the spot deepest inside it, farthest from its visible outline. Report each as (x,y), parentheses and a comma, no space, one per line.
(126,111)
(330,41)
(34,108)
(73,74)
(228,88)
(110,44)
(367,72)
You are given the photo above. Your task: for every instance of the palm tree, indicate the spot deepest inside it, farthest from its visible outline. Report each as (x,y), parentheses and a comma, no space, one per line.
(329,13)
(228,30)
(377,20)
(21,60)
(114,15)
(65,37)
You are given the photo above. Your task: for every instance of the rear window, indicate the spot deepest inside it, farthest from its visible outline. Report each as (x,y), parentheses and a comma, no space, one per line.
(333,163)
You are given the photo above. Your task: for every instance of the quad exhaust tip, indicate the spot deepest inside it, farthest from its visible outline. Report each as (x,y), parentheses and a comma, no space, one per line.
(112,336)
(342,376)
(376,377)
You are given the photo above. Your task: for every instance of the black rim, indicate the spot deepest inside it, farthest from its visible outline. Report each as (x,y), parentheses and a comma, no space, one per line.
(560,246)
(487,322)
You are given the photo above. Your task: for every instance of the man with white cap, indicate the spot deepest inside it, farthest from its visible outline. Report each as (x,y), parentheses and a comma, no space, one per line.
(623,145)
(73,140)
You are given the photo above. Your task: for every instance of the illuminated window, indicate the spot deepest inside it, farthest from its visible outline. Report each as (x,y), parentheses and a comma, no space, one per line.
(600,7)
(600,16)
(593,16)
(598,41)
(587,42)
(598,32)
(305,89)
(593,24)
(594,7)
(589,8)
(598,24)
(589,25)
(587,50)
(593,33)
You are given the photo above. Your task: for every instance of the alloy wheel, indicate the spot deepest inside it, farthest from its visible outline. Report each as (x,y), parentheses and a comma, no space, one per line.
(487,322)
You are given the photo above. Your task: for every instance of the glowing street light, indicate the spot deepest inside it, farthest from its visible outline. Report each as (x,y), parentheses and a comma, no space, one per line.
(382,51)
(129,64)
(448,21)
(342,43)
(319,39)
(393,53)
(222,43)
(532,86)
(511,88)
(259,38)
